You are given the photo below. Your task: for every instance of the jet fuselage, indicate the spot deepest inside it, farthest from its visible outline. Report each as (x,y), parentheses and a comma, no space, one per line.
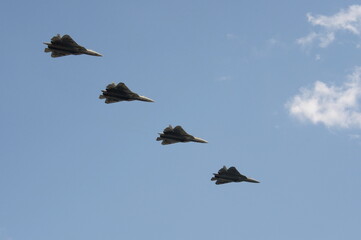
(176,137)
(181,138)
(72,50)
(234,178)
(63,49)
(124,97)
(117,96)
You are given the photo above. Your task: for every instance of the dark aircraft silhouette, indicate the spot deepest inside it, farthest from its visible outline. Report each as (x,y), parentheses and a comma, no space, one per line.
(231,174)
(63,46)
(172,135)
(116,93)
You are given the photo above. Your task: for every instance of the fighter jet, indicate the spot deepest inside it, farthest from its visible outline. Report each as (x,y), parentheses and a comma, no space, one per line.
(63,46)
(231,174)
(172,135)
(116,93)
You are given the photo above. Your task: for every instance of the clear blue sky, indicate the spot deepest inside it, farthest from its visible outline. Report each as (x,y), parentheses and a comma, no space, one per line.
(230,72)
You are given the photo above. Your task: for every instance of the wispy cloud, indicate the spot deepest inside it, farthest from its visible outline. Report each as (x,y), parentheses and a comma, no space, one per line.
(3,235)
(345,20)
(333,106)
(224,78)
(273,41)
(354,136)
(324,39)
(231,36)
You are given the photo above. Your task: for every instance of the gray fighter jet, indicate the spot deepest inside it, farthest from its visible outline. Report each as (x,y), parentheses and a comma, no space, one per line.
(172,135)
(63,46)
(116,93)
(231,174)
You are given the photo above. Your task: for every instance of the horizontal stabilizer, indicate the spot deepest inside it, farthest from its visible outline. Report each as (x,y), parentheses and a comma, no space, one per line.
(56,54)
(222,181)
(167,142)
(108,100)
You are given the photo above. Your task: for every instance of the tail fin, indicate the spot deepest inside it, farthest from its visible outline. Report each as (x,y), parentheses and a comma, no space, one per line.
(110,86)
(223,170)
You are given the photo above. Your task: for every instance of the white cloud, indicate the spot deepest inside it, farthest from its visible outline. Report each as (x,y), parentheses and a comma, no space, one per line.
(318,57)
(333,106)
(324,39)
(347,20)
(231,36)
(308,39)
(273,41)
(354,136)
(224,78)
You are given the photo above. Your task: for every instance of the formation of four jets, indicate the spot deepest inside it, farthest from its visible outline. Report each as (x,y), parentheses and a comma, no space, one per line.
(65,45)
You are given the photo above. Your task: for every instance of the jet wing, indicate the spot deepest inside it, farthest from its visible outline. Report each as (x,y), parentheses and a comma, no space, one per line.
(234,172)
(222,181)
(179,130)
(56,54)
(122,87)
(67,40)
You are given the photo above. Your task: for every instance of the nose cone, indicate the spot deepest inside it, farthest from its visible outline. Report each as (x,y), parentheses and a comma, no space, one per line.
(145,99)
(251,180)
(93,53)
(200,140)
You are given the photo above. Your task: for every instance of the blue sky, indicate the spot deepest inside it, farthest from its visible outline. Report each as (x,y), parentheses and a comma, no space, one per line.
(274,88)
